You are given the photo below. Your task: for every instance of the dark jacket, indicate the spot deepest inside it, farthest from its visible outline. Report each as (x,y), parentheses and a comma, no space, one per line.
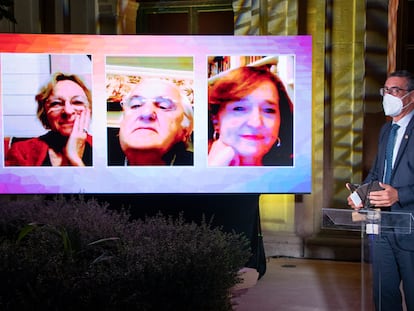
(402,177)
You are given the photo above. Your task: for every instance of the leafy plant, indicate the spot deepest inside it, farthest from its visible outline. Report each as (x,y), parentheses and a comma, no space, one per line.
(72,254)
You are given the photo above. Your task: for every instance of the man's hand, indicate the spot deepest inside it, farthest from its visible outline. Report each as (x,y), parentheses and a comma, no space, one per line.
(383,198)
(349,199)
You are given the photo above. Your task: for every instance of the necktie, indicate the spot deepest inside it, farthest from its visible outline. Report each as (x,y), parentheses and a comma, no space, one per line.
(389,153)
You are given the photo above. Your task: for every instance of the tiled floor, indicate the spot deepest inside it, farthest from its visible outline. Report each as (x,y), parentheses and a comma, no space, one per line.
(291,284)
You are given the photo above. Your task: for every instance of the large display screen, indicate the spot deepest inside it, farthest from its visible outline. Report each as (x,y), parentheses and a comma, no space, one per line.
(155,114)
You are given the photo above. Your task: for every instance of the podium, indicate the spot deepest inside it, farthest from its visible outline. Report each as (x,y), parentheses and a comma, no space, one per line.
(371,223)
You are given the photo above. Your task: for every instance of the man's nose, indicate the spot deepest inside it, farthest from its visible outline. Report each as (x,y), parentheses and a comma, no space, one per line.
(147,112)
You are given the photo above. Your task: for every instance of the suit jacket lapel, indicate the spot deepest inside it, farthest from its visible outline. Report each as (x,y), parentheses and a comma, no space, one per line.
(381,149)
(404,142)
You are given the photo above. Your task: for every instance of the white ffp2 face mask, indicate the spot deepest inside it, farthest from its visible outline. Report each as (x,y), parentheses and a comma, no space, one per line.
(393,105)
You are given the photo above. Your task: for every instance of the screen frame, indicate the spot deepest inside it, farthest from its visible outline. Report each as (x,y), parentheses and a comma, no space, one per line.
(199,178)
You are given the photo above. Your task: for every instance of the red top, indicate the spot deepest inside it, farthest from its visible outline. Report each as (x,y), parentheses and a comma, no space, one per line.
(31,152)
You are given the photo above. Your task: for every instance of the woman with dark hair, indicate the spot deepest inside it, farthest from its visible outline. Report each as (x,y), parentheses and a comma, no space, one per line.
(252,119)
(64,107)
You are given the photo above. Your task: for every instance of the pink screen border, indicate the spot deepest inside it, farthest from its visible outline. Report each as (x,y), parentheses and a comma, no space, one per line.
(197,179)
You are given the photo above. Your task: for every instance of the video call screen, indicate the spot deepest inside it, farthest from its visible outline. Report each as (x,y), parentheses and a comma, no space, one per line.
(155,114)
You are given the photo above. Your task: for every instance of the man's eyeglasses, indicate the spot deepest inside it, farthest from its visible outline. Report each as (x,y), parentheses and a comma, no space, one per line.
(58,104)
(395,90)
(161,102)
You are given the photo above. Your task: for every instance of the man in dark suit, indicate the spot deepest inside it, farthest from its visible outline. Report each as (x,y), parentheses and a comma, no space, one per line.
(393,253)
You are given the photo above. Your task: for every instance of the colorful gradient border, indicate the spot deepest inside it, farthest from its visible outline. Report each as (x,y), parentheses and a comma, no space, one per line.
(197,179)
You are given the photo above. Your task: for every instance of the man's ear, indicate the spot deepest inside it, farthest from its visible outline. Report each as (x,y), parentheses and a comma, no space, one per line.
(187,128)
(185,136)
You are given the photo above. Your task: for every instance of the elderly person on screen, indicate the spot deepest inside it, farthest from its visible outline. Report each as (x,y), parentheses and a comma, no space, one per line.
(156,125)
(252,119)
(64,108)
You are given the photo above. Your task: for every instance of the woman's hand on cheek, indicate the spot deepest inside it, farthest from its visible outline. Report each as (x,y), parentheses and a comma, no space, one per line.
(75,146)
(221,155)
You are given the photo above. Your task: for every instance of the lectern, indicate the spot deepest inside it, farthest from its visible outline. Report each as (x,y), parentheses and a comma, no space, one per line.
(371,223)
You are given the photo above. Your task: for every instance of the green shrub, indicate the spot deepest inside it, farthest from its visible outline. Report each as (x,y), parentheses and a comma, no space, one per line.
(72,254)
